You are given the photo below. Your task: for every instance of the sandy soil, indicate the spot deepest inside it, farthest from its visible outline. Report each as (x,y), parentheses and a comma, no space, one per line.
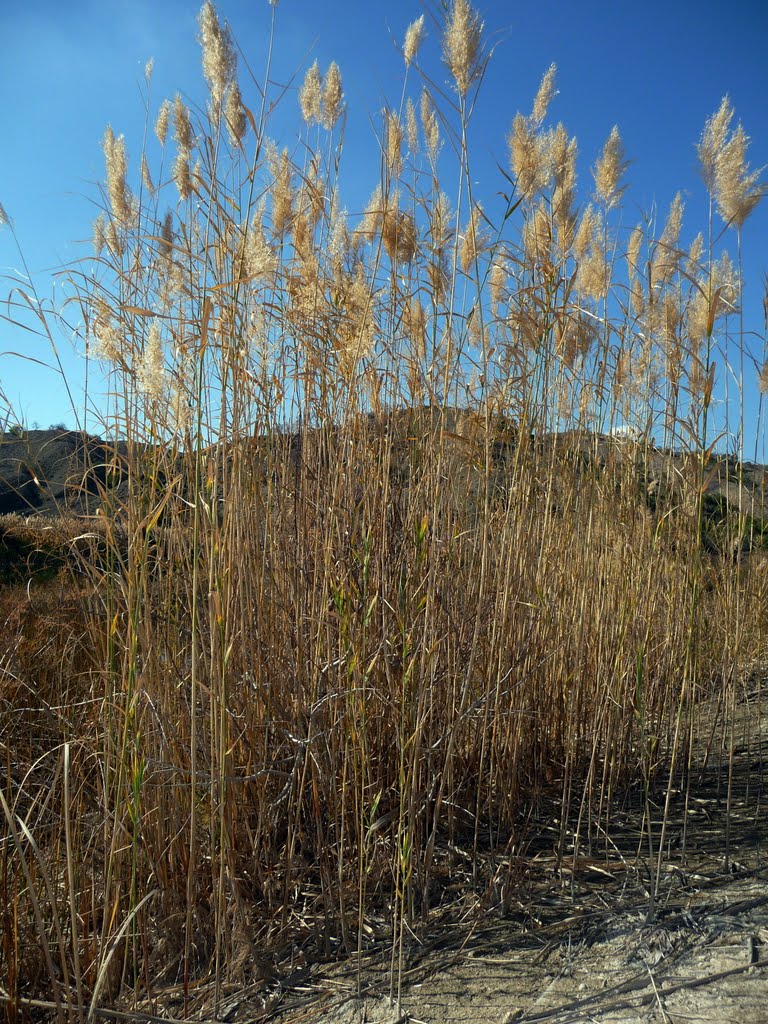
(697,962)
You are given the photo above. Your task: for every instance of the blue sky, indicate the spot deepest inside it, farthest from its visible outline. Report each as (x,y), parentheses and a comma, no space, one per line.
(657,69)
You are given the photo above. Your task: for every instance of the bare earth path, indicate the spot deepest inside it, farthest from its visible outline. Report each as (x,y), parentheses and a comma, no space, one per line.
(704,960)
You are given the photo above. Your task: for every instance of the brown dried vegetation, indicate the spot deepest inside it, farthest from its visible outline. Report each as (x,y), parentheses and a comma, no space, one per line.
(380,585)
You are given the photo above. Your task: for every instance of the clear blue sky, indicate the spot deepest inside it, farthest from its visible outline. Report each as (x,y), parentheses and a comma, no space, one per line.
(657,68)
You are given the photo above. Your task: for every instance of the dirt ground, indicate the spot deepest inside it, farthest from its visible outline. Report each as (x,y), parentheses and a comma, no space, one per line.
(584,945)
(702,960)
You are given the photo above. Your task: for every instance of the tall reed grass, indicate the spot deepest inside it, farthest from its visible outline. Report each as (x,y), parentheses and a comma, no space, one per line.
(382,588)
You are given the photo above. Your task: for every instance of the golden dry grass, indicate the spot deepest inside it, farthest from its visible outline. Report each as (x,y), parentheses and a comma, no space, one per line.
(312,662)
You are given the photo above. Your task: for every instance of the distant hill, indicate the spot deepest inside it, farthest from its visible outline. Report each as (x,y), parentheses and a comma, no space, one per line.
(56,472)
(51,472)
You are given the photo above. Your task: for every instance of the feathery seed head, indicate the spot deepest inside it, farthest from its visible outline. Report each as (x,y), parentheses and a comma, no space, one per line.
(695,252)
(715,297)
(259,339)
(181,175)
(4,219)
(182,126)
(106,343)
(234,114)
(561,159)
(528,156)
(372,216)
(430,127)
(440,238)
(281,191)
(671,233)
(667,254)
(219,57)
(413,39)
(260,260)
(148,69)
(161,124)
(727,282)
(331,106)
(338,247)
(609,170)
(394,143)
(637,295)
(311,198)
(697,378)
(411,127)
(415,324)
(664,316)
(151,369)
(146,176)
(497,284)
(398,232)
(593,278)
(577,335)
(440,221)
(173,287)
(117,165)
(165,245)
(180,406)
(587,232)
(114,242)
(537,235)
(480,337)
(565,226)
(544,96)
(762,379)
(672,316)
(737,191)
(225,325)
(356,332)
(713,139)
(633,249)
(197,173)
(98,236)
(474,239)
(302,244)
(698,314)
(645,371)
(310,95)
(462,45)
(621,373)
